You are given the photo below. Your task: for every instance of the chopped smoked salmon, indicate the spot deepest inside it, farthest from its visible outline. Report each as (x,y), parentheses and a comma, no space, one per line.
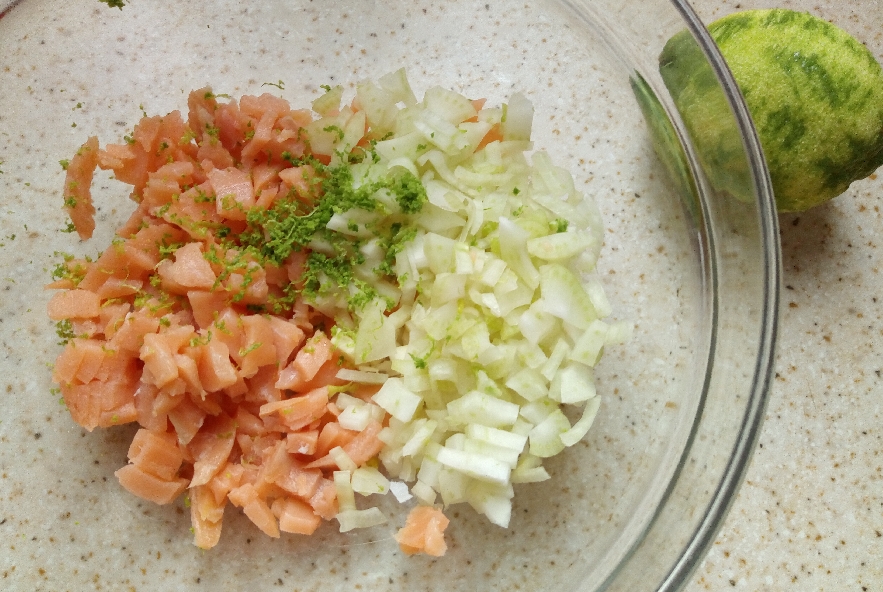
(424,532)
(183,328)
(77,188)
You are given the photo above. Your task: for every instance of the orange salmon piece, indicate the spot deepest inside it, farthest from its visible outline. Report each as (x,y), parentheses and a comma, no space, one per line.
(259,348)
(159,192)
(147,413)
(257,510)
(264,174)
(216,371)
(227,479)
(327,375)
(324,501)
(130,164)
(248,423)
(274,463)
(159,360)
(78,188)
(295,516)
(214,155)
(227,328)
(194,210)
(234,192)
(189,271)
(314,353)
(303,442)
(236,390)
(299,411)
(264,198)
(94,352)
(111,317)
(366,445)
(331,436)
(202,106)
(146,132)
(359,446)
(187,419)
(150,487)
(493,135)
(115,287)
(300,179)
(300,481)
(108,400)
(286,338)
(130,334)
(74,304)
(266,109)
(261,386)
(311,357)
(276,277)
(206,516)
(68,362)
(207,305)
(423,532)
(189,371)
(249,287)
(211,448)
(80,361)
(231,124)
(156,453)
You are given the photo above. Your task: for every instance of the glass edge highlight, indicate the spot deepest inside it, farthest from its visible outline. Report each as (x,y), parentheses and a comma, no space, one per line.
(752,421)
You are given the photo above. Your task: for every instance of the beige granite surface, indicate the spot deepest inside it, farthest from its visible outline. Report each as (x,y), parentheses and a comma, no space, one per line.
(810,513)
(809,516)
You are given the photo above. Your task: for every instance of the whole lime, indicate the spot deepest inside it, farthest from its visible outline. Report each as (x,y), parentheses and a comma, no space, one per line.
(815,94)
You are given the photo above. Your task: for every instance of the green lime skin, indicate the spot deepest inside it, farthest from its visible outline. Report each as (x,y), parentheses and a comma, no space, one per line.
(815,94)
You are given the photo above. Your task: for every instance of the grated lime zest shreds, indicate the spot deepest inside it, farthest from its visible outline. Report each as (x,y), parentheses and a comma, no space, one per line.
(294,225)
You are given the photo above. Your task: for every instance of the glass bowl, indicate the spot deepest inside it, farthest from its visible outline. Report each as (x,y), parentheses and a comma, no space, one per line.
(695,272)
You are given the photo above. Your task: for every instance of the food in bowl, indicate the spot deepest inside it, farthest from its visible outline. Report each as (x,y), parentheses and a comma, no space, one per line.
(300,299)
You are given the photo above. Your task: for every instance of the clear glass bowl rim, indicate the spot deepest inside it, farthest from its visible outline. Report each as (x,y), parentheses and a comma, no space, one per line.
(715,512)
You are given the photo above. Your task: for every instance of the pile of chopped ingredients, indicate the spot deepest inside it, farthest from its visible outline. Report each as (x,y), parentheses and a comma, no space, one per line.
(385,296)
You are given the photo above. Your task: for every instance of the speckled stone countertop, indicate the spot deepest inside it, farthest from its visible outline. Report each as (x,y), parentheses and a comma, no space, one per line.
(809,515)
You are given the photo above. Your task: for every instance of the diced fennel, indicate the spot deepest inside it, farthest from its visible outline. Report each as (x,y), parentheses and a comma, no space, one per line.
(365,377)
(488,321)
(501,438)
(529,470)
(475,465)
(581,427)
(397,400)
(423,492)
(545,437)
(342,459)
(328,102)
(346,500)
(493,502)
(368,481)
(421,437)
(574,383)
(429,471)
(356,417)
(587,349)
(352,519)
